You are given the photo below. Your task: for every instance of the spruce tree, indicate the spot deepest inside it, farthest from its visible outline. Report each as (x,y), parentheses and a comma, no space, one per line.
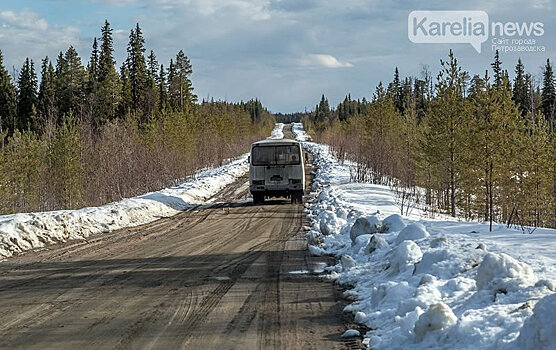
(47,92)
(8,101)
(27,118)
(162,91)
(153,66)
(521,89)
(73,84)
(126,97)
(106,59)
(396,92)
(548,95)
(151,93)
(94,67)
(137,69)
(108,80)
(497,68)
(173,96)
(323,114)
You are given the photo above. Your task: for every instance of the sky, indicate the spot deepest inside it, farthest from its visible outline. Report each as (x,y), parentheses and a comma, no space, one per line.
(284,52)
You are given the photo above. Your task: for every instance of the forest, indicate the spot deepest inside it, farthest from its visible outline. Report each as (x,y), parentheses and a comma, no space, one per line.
(478,147)
(89,134)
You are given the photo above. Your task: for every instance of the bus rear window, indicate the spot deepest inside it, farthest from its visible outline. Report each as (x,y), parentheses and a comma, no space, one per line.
(276,155)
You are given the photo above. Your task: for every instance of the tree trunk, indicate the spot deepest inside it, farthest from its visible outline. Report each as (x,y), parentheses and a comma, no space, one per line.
(490,194)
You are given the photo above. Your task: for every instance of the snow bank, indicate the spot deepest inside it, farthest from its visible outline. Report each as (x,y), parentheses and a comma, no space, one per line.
(501,271)
(364,226)
(21,232)
(277,132)
(428,282)
(438,316)
(412,232)
(539,331)
(393,223)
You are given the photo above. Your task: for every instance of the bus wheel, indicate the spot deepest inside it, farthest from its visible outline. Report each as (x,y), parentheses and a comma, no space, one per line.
(297,197)
(258,198)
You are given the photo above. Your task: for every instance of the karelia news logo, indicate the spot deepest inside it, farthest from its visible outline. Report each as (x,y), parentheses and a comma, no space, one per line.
(473,27)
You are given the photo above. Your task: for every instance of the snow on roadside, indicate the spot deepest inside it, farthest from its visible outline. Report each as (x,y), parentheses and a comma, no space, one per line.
(278,132)
(421,283)
(21,232)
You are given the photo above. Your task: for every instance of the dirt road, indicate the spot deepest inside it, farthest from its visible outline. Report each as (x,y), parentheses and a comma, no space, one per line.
(229,276)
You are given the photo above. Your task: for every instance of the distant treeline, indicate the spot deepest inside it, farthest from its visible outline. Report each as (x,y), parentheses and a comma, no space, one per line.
(87,135)
(482,146)
(288,118)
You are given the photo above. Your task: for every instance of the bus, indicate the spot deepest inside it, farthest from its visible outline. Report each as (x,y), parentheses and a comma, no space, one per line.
(276,169)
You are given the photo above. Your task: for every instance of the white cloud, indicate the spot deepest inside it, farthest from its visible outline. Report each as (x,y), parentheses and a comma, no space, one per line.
(323,60)
(256,10)
(25,19)
(542,4)
(118,3)
(26,34)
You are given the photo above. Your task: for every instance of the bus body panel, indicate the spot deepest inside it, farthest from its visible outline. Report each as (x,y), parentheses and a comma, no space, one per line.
(276,169)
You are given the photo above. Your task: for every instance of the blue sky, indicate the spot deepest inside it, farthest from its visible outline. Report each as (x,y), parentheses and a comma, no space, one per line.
(284,52)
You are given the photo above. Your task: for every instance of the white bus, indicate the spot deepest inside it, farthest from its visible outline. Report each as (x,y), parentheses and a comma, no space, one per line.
(276,169)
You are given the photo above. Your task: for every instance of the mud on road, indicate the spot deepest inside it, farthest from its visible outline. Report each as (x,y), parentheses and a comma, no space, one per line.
(229,276)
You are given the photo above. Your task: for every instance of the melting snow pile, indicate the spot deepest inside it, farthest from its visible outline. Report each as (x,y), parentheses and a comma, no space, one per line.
(278,132)
(424,283)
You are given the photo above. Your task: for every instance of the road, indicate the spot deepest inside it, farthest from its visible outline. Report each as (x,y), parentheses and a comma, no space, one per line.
(229,276)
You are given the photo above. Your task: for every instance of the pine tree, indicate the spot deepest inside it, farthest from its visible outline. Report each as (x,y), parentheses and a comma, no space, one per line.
(23,167)
(27,118)
(65,157)
(549,95)
(477,86)
(8,101)
(47,92)
(184,86)
(443,143)
(533,161)
(491,151)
